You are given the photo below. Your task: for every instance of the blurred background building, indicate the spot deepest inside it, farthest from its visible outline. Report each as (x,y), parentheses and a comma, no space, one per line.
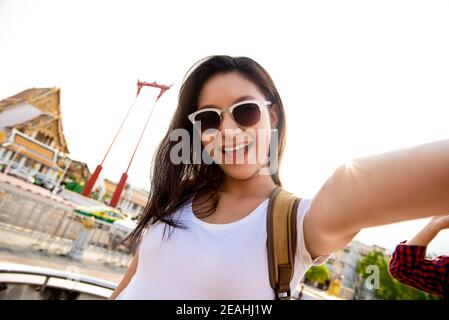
(32,143)
(32,137)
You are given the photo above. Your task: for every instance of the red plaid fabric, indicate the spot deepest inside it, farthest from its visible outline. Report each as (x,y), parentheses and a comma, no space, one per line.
(410,266)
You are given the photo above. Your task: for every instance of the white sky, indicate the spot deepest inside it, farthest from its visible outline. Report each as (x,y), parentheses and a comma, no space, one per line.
(356,77)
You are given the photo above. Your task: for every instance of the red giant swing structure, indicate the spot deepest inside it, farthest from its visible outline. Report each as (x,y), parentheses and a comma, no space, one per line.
(119,189)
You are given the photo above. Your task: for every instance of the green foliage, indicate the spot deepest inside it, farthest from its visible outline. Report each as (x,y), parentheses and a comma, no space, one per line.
(390,288)
(74,186)
(318,274)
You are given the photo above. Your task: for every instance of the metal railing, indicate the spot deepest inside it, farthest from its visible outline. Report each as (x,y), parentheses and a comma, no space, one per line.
(55,226)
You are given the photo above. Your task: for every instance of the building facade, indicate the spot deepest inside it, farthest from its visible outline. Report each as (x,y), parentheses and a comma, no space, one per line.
(132,200)
(343,265)
(32,137)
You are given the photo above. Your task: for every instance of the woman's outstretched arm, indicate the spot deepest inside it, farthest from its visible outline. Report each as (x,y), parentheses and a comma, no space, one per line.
(404,184)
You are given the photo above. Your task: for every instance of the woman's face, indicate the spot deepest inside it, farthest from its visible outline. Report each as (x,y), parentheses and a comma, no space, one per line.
(239,151)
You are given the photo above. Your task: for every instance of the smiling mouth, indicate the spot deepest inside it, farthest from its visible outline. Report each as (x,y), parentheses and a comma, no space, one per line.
(235,148)
(236,154)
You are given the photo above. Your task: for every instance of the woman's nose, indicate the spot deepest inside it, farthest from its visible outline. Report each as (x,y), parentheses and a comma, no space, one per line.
(227,122)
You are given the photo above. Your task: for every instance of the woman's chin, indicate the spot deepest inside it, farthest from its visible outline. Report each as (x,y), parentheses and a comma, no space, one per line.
(240,171)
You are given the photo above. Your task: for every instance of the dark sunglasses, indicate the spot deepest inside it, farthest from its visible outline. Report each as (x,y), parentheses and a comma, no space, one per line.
(245,114)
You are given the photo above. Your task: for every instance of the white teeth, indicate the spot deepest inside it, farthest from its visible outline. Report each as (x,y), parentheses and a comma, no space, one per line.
(237,147)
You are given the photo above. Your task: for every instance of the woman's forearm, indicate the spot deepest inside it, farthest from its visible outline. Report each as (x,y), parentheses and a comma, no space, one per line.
(430,231)
(425,236)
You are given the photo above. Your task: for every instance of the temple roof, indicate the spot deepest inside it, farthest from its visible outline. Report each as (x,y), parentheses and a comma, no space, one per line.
(45,99)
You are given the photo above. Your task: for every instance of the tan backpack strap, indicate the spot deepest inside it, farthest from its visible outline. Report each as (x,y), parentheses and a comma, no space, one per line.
(281,240)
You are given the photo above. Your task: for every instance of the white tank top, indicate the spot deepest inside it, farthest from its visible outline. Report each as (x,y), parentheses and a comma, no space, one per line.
(212,261)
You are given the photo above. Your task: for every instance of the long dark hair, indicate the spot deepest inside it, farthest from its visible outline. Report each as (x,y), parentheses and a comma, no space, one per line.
(172,185)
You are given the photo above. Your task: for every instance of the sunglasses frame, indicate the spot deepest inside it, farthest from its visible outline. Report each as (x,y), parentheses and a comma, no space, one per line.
(262,104)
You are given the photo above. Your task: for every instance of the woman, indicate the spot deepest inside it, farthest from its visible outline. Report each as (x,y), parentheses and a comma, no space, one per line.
(215,208)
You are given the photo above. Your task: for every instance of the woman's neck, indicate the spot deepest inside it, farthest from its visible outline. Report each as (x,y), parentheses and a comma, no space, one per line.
(257,186)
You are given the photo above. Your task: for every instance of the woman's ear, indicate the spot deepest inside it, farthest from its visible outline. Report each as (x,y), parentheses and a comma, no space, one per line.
(274,111)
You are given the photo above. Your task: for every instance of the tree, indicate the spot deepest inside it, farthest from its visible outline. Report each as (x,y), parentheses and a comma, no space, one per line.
(318,274)
(389,288)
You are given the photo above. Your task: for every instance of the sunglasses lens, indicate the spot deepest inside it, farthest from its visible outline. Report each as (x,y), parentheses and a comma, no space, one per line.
(208,120)
(247,114)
